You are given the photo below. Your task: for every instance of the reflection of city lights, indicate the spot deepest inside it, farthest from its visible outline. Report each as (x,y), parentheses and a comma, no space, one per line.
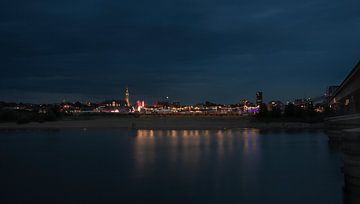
(144,149)
(145,145)
(251,137)
(190,146)
(220,142)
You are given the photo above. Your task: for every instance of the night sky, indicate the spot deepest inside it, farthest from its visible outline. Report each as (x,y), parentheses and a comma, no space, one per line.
(190,50)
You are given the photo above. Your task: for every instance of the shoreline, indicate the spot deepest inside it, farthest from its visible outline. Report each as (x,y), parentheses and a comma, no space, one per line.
(163,123)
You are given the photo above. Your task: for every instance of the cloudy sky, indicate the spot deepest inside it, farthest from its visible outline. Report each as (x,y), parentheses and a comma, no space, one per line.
(189,50)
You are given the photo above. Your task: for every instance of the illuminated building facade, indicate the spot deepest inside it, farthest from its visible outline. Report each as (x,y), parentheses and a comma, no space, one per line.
(140,105)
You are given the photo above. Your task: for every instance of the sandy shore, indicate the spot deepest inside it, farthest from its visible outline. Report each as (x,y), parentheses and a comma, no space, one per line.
(163,123)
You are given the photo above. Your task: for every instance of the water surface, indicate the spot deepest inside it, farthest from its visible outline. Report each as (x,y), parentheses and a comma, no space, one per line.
(168,166)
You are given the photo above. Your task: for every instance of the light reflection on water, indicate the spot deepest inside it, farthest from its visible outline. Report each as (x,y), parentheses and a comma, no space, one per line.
(189,146)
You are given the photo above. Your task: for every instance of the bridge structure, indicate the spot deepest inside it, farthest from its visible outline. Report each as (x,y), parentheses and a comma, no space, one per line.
(346,136)
(346,100)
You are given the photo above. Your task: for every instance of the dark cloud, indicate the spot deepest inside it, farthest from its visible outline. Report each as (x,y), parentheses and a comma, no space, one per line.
(189,50)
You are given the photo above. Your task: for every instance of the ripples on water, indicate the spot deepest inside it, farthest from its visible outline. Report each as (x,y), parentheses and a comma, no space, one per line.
(168,166)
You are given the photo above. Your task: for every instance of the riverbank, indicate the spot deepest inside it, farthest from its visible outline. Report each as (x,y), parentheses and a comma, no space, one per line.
(164,123)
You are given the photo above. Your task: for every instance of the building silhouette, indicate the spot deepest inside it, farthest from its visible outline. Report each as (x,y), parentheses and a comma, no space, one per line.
(330,90)
(259,98)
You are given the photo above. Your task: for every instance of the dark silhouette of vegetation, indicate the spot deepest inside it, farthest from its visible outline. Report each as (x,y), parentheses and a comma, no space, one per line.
(289,110)
(263,111)
(26,116)
(290,113)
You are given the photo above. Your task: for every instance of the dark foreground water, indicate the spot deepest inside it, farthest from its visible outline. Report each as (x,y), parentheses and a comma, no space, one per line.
(179,166)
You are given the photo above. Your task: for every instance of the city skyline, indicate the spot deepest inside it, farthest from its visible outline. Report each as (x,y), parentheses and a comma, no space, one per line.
(190,51)
(126,97)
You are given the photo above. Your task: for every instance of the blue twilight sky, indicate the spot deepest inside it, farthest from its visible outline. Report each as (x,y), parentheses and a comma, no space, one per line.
(189,50)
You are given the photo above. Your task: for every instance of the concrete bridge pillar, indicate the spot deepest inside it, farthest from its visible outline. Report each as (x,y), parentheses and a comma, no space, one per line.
(348,142)
(350,149)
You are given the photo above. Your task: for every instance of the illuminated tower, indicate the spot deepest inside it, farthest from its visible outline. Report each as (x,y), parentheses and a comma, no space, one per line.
(259,98)
(127,101)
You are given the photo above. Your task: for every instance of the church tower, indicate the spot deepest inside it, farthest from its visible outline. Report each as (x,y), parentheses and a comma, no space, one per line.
(127,101)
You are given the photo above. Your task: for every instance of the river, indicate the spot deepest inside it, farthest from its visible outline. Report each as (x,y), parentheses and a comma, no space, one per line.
(168,166)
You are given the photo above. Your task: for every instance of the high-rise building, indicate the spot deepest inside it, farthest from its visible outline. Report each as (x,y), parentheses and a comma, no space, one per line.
(330,90)
(126,99)
(259,98)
